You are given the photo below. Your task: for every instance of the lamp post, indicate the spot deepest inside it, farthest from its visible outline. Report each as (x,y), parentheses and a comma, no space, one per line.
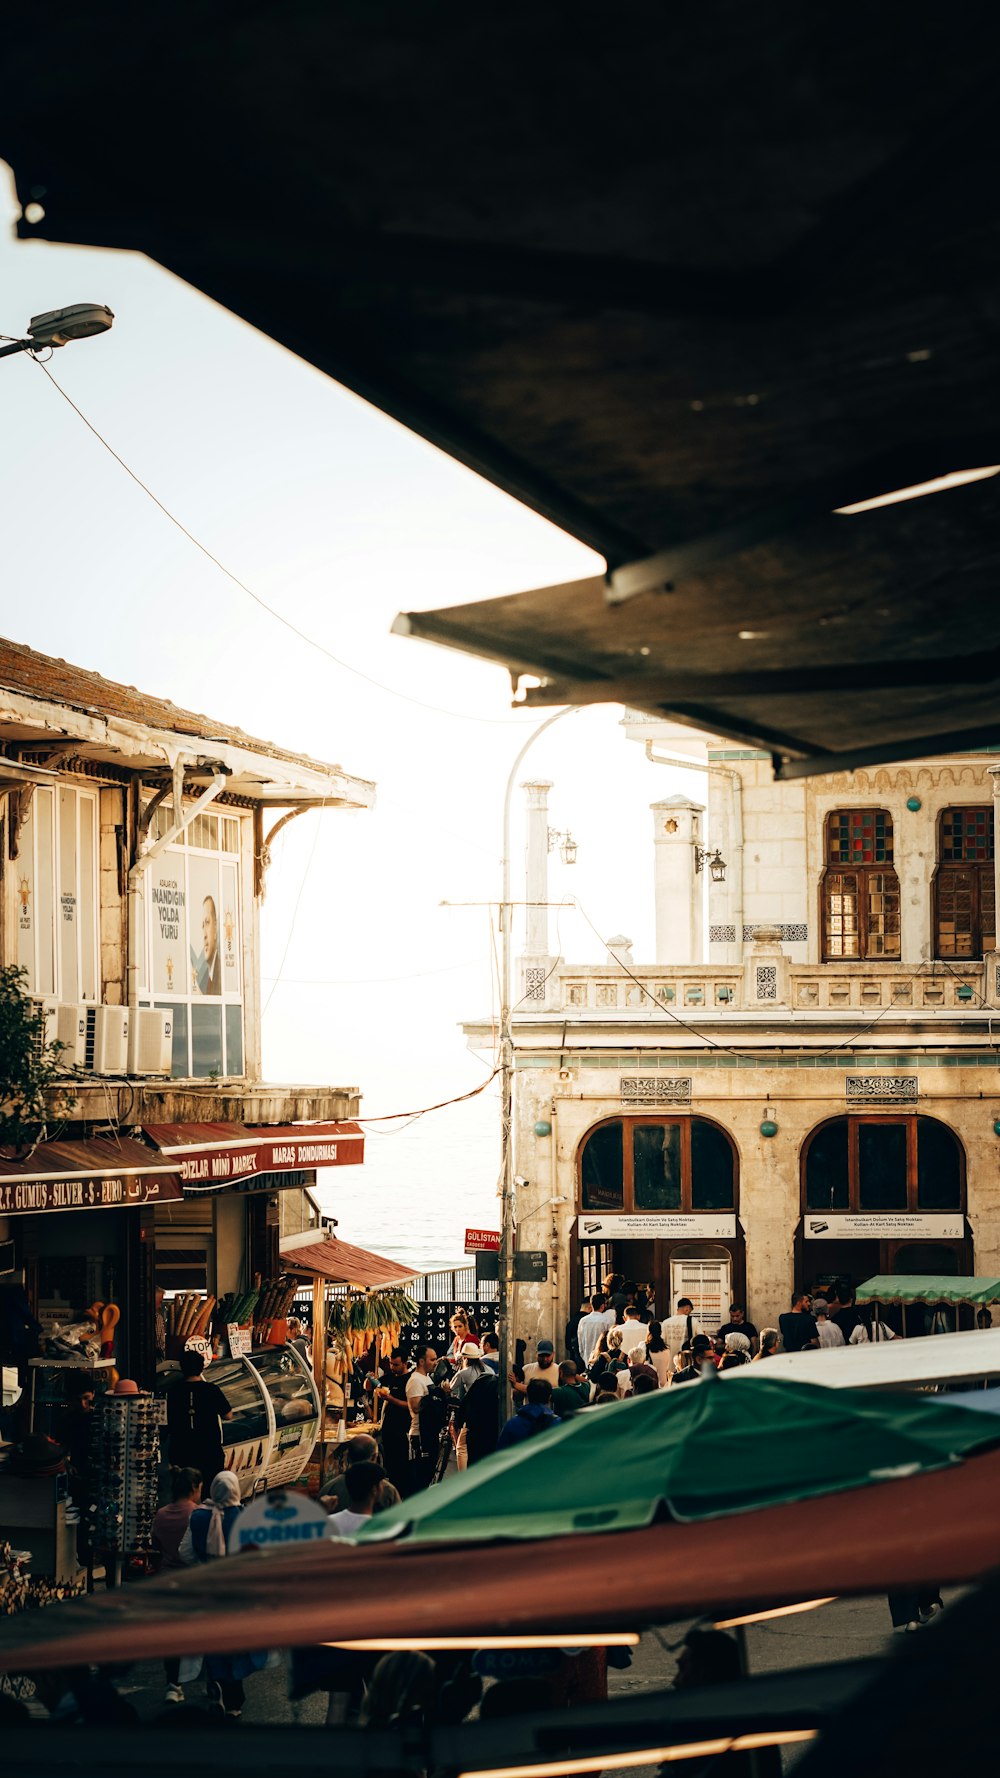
(505,1267)
(60,327)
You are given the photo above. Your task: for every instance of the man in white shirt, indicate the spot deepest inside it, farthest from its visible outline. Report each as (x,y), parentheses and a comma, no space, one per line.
(418,1386)
(633,1331)
(545,1366)
(592,1326)
(827,1331)
(680,1328)
(364,1484)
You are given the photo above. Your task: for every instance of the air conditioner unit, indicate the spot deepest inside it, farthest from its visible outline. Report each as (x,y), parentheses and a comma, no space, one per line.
(150,1041)
(71,1030)
(107,1040)
(47,1032)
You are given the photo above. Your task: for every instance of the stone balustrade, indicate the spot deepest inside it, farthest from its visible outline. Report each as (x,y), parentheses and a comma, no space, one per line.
(766,982)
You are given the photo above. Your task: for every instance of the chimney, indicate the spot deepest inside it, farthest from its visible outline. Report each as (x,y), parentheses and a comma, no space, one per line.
(536,961)
(678,884)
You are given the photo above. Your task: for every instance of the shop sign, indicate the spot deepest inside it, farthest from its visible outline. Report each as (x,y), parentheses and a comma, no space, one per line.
(658,1226)
(253,1159)
(240,1339)
(20,1195)
(277,1519)
(901,1226)
(482,1240)
(198,1343)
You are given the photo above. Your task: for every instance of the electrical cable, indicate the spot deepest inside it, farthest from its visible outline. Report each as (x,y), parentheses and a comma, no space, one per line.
(730,1049)
(310,641)
(387,1117)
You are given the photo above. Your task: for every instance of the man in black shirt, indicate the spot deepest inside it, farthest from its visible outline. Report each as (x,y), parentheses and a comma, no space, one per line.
(195,1412)
(849,1316)
(738,1323)
(390,1389)
(798,1328)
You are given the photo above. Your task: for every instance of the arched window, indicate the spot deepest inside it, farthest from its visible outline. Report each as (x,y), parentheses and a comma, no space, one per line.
(964,894)
(883,1163)
(658,1163)
(860,888)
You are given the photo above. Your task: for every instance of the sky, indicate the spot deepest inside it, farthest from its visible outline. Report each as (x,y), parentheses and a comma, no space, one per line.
(340,517)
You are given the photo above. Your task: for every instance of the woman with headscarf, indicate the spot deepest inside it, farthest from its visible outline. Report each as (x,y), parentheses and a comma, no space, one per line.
(207,1538)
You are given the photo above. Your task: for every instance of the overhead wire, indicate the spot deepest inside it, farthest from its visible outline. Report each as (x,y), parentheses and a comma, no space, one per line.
(272,611)
(731,1049)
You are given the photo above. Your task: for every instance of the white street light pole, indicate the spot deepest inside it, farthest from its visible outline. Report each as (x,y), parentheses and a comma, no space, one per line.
(505,1268)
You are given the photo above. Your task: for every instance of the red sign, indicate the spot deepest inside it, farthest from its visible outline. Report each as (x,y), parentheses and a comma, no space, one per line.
(482,1240)
(111,1193)
(214,1154)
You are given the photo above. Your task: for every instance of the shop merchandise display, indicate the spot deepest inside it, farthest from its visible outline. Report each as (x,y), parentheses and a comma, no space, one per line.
(273,1306)
(20,1592)
(236,1309)
(123,1472)
(188,1315)
(93,1336)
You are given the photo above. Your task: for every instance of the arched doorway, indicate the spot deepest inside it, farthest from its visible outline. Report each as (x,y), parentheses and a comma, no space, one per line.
(882,1194)
(658,1202)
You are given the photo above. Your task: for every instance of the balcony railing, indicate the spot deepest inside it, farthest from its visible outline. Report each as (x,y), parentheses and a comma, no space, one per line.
(804,987)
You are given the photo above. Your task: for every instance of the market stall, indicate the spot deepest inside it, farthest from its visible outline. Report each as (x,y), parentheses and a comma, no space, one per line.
(930,1303)
(275,1414)
(359,1307)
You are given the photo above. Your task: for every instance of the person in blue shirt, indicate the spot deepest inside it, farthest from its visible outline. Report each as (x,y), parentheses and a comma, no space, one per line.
(534,1417)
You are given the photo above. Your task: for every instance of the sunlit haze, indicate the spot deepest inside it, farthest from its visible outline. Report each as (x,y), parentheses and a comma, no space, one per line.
(340,517)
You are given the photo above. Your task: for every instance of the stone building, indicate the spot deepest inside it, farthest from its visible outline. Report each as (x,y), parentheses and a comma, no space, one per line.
(802,1085)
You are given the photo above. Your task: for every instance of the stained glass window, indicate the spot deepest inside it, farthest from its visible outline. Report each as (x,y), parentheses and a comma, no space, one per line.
(859,836)
(860,888)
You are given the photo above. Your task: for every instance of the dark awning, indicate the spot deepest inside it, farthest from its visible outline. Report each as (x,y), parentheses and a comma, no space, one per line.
(218,1155)
(923,1531)
(337,1262)
(683,283)
(101,1174)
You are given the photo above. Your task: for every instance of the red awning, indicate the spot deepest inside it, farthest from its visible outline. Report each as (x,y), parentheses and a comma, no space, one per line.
(340,1263)
(225,1154)
(925,1531)
(101,1174)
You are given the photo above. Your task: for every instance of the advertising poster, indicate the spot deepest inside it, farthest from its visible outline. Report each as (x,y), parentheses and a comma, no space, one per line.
(205,929)
(229,931)
(168,923)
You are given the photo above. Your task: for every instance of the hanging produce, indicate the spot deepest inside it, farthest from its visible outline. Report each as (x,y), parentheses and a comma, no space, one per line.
(355,1323)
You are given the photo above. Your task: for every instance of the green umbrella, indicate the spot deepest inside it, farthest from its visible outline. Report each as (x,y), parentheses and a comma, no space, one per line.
(702,1451)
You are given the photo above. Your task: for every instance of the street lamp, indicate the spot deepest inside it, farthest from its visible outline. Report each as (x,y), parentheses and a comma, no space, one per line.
(716,863)
(505,1267)
(59,327)
(566,843)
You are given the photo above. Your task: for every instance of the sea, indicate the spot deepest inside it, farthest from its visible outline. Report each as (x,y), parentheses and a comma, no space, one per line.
(421,1186)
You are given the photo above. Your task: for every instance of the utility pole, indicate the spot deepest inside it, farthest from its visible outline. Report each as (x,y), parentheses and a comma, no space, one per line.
(505,1268)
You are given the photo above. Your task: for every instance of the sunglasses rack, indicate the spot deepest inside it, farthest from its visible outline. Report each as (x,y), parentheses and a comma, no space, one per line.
(125,1456)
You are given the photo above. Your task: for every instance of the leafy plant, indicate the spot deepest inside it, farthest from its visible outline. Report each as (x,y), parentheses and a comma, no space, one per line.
(34,1084)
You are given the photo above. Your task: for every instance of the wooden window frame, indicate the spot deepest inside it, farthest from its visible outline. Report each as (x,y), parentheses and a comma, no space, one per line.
(844,867)
(854,1121)
(628,1205)
(979,869)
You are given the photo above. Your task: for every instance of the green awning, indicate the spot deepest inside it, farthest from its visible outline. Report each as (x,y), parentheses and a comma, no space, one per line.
(929,1288)
(700,1451)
